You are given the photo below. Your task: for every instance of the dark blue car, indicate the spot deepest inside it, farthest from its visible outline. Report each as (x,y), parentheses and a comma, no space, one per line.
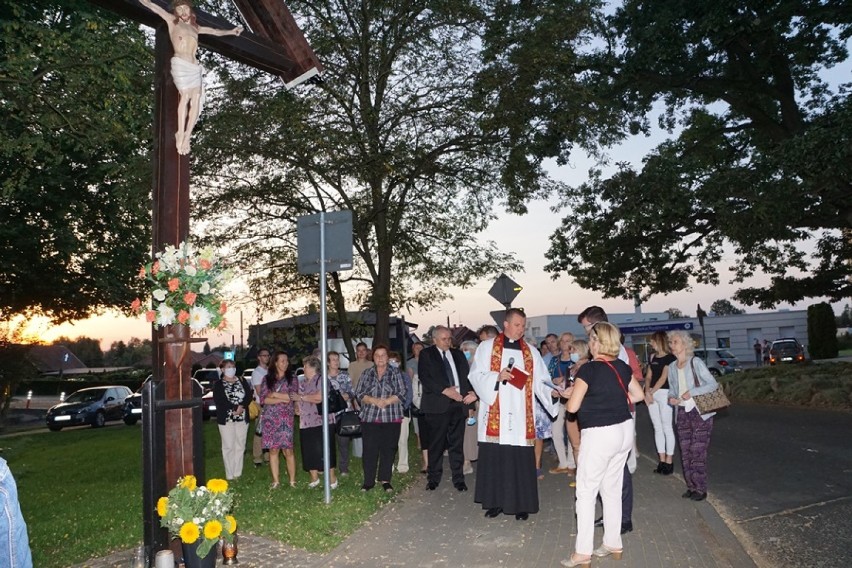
(95,406)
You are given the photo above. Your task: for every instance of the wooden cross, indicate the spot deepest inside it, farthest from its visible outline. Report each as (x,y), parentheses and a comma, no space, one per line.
(273,43)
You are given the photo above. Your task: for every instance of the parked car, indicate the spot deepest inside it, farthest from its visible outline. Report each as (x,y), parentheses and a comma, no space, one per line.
(133,404)
(719,361)
(95,406)
(786,350)
(208,376)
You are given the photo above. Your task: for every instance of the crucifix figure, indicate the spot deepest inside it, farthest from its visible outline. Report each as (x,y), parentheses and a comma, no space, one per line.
(187,73)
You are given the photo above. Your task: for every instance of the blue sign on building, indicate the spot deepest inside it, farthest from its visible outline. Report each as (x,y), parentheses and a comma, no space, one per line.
(648,328)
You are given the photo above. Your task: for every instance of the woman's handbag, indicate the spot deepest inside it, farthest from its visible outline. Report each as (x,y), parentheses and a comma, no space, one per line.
(335,402)
(349,424)
(711,401)
(254,410)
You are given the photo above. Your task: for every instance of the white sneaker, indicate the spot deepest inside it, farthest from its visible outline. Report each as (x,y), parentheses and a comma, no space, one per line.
(468,470)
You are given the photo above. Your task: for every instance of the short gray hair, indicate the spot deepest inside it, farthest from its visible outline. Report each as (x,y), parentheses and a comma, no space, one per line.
(469,343)
(685,337)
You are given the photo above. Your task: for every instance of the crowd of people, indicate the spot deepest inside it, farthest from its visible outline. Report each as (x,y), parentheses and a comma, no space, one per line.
(497,403)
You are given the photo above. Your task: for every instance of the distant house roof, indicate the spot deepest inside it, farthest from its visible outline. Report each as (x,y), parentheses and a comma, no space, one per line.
(462,333)
(205,361)
(368,318)
(48,359)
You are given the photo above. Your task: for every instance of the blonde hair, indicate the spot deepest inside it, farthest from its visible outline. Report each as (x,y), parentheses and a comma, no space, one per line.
(581,348)
(608,337)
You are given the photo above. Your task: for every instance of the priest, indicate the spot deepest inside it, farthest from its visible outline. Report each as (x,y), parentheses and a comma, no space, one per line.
(505,476)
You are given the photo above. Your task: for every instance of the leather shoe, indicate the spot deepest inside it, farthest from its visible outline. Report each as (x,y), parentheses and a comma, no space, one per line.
(461,486)
(698,496)
(599,522)
(688,494)
(431,486)
(493,512)
(522,516)
(627,527)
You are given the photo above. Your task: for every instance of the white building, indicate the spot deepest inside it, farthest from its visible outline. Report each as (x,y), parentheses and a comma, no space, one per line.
(736,333)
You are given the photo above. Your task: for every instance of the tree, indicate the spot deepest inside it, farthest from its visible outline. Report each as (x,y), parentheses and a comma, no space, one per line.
(725,308)
(75,112)
(761,162)
(675,313)
(845,317)
(135,353)
(390,134)
(822,331)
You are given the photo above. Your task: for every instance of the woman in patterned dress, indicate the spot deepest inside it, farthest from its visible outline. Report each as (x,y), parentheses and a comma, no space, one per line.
(278,392)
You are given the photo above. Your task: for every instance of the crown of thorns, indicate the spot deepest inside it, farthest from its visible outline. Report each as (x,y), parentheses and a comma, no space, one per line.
(177,3)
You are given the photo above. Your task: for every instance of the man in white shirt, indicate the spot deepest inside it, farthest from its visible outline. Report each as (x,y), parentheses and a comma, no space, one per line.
(257,376)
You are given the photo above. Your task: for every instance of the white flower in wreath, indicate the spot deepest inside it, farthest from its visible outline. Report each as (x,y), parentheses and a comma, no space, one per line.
(165,315)
(190,270)
(160,295)
(199,318)
(205,288)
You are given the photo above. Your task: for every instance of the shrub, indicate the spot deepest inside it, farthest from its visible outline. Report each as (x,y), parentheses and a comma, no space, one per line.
(822,331)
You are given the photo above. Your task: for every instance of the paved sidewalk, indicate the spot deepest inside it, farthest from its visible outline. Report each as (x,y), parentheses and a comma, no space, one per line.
(446,528)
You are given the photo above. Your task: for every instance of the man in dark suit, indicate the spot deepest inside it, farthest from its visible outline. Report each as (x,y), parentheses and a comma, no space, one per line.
(446,392)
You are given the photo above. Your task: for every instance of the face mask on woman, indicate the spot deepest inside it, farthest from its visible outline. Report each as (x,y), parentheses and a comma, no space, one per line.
(468,355)
(393,363)
(230,372)
(575,357)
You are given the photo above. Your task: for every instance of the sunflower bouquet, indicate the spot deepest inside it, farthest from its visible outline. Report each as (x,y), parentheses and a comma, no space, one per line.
(192,512)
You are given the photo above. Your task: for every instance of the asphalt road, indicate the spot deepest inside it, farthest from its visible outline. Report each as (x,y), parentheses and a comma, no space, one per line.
(782,479)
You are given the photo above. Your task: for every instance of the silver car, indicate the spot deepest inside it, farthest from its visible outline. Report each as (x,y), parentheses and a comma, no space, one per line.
(719,361)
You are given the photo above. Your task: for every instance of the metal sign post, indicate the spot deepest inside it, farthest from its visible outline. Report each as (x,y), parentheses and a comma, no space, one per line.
(315,257)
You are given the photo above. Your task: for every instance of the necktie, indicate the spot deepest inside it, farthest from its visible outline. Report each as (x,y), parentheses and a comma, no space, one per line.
(448,370)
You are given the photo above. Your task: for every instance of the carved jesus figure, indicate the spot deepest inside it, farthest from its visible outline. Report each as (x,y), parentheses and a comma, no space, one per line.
(187,73)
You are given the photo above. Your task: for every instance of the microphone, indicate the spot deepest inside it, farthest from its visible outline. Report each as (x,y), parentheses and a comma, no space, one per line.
(509,366)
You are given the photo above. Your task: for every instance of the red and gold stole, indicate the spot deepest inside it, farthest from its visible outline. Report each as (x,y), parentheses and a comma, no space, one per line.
(492,428)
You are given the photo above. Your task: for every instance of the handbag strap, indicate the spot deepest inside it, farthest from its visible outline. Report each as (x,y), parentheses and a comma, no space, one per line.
(618,379)
(694,373)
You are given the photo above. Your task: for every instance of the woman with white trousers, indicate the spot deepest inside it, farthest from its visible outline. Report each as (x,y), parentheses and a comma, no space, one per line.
(657,400)
(601,396)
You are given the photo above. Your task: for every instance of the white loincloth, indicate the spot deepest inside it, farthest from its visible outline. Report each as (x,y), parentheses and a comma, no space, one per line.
(188,76)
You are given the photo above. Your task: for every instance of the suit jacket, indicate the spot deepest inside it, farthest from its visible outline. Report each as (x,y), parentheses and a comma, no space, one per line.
(430,369)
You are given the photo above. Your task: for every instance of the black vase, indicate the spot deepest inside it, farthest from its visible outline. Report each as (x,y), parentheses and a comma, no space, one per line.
(191,559)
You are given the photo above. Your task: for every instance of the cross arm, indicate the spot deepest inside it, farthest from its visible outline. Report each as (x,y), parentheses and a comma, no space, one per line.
(267,53)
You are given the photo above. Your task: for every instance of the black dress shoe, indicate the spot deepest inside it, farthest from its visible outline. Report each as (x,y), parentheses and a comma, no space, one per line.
(627,527)
(661,467)
(493,512)
(698,496)
(461,486)
(431,486)
(688,494)
(522,516)
(599,522)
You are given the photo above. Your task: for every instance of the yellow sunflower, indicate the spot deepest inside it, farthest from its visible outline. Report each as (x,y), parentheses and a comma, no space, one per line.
(217,485)
(189,533)
(188,482)
(212,529)
(232,523)
(162,506)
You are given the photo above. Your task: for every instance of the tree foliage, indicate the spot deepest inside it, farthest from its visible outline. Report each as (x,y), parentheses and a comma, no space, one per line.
(675,313)
(75,115)
(761,162)
(391,134)
(822,331)
(725,308)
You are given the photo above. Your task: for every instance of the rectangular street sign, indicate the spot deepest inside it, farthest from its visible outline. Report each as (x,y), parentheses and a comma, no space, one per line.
(338,242)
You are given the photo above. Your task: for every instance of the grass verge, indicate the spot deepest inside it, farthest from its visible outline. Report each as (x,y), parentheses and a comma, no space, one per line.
(81,495)
(817,385)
